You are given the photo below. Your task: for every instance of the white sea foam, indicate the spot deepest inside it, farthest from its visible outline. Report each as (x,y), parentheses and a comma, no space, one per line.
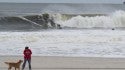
(113,20)
(80,42)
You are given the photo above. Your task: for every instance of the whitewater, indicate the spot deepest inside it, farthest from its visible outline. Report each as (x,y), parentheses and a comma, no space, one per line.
(98,36)
(84,32)
(112,20)
(77,42)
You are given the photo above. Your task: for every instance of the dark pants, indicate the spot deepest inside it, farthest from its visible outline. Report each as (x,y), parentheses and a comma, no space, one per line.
(24,63)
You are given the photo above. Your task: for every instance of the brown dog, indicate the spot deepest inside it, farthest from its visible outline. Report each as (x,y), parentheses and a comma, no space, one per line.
(15,65)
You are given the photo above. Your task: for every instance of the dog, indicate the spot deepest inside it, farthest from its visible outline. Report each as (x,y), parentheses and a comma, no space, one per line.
(13,64)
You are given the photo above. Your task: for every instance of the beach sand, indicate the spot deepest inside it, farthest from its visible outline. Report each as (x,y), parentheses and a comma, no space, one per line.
(68,63)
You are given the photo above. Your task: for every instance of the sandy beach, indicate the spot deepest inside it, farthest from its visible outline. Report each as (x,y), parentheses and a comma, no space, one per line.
(68,63)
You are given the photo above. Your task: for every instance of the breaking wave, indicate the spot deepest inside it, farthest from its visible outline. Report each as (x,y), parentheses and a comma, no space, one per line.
(57,21)
(114,20)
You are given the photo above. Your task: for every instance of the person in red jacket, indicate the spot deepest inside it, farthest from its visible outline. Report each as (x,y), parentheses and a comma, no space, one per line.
(27,57)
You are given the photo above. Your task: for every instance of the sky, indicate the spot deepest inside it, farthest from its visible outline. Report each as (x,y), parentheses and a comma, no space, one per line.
(65,1)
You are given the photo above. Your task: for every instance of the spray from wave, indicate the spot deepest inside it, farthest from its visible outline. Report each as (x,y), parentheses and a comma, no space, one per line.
(115,20)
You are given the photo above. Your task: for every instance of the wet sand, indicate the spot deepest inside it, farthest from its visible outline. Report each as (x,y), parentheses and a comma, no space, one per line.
(68,63)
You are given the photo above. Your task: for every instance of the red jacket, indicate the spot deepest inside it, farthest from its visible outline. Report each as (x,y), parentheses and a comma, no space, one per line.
(27,53)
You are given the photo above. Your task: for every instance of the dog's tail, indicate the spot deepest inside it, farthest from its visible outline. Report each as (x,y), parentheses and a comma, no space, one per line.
(6,62)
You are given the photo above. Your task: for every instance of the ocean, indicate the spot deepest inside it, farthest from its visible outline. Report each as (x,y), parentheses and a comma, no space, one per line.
(63,29)
(28,16)
(62,8)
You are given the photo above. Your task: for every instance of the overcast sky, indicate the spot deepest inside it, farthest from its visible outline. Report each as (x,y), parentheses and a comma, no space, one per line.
(65,1)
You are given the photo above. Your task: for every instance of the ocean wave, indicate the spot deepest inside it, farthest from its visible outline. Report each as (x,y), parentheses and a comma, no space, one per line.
(58,21)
